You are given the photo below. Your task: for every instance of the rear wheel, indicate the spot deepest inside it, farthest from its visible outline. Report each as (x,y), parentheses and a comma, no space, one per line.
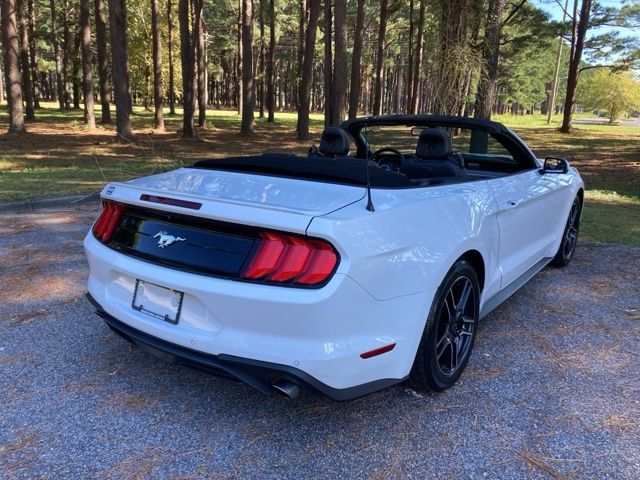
(569,236)
(450,331)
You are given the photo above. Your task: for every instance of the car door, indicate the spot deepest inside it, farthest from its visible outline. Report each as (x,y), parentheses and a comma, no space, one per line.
(531,215)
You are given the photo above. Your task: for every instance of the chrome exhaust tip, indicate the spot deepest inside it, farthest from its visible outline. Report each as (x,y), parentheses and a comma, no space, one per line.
(286,388)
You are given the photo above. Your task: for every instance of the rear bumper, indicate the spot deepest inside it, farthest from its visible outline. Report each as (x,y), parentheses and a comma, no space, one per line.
(257,374)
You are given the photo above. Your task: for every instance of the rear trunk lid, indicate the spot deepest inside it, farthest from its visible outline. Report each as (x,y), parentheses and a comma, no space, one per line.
(210,222)
(248,199)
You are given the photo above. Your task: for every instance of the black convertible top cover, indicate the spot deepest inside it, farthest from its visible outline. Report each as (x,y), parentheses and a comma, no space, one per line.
(346,170)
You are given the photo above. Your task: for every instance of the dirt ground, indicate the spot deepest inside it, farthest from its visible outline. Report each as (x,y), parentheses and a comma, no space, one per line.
(551,390)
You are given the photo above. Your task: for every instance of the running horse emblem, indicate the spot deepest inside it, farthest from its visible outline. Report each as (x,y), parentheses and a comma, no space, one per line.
(166,239)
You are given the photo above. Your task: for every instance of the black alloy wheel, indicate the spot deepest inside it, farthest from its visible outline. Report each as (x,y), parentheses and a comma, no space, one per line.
(450,331)
(569,237)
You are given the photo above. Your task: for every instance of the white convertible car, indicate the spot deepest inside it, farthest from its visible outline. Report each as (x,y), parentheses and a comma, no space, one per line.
(368,262)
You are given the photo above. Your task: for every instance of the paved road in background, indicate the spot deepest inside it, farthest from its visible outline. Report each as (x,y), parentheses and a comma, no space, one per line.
(552,389)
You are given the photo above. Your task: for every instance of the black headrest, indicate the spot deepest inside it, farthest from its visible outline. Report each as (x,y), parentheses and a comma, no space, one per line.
(433,144)
(334,142)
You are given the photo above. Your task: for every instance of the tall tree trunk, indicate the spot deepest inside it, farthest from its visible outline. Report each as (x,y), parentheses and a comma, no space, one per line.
(13,75)
(35,82)
(103,61)
(248,90)
(60,80)
(328,65)
(486,96)
(304,93)
(24,60)
(271,64)
(158,119)
(66,40)
(201,63)
(120,68)
(340,75)
(581,27)
(2,78)
(239,61)
(409,89)
(87,74)
(187,55)
(382,33)
(172,88)
(76,68)
(261,60)
(418,59)
(302,20)
(356,77)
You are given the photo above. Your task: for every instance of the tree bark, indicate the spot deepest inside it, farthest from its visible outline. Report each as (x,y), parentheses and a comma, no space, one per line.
(27,88)
(486,96)
(13,75)
(302,20)
(340,62)
(382,33)
(158,119)
(60,80)
(187,56)
(248,90)
(201,63)
(261,60)
(76,67)
(415,82)
(271,63)
(65,52)
(238,68)
(581,27)
(304,93)
(35,82)
(87,74)
(172,88)
(328,65)
(103,61)
(356,78)
(2,77)
(409,88)
(120,68)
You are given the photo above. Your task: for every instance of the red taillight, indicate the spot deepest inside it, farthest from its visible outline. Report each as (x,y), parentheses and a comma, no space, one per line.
(321,264)
(271,248)
(288,258)
(107,221)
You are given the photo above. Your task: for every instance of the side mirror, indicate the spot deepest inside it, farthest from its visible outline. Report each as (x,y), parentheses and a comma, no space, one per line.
(555,165)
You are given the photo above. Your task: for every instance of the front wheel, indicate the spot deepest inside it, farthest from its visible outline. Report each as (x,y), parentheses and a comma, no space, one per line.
(450,331)
(567,248)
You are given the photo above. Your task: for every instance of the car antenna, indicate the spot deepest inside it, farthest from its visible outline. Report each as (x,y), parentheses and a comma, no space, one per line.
(369,206)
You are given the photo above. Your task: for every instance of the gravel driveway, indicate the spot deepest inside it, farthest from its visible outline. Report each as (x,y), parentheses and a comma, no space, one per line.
(552,389)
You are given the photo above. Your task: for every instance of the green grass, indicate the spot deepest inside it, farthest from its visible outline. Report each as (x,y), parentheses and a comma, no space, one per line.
(58,156)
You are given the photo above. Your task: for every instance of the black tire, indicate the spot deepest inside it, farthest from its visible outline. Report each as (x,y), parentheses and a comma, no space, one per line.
(448,339)
(567,248)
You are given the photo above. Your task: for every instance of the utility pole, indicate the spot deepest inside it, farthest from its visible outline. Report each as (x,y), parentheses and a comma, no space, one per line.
(554,88)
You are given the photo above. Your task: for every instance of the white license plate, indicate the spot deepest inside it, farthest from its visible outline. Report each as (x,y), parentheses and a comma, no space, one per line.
(156,301)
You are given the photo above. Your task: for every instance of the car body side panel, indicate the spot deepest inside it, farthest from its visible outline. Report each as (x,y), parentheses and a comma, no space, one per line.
(414,236)
(532,213)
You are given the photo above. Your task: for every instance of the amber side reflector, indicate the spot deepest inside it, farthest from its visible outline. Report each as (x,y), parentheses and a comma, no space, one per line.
(378,351)
(170,201)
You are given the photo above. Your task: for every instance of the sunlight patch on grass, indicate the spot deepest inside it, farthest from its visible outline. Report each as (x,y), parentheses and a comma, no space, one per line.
(611,217)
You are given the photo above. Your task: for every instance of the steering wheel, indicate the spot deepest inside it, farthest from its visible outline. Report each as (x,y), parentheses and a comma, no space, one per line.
(391,163)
